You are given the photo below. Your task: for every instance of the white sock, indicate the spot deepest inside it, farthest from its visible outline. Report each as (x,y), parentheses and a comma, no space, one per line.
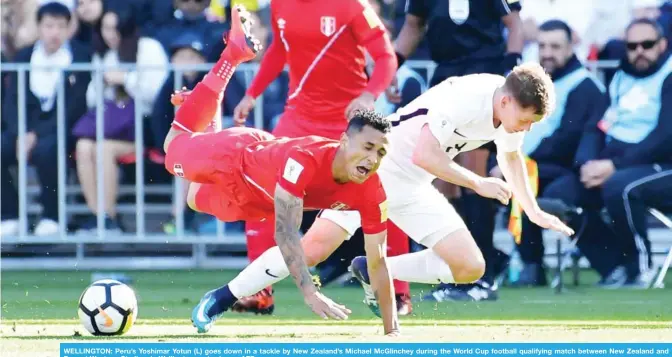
(420,267)
(266,270)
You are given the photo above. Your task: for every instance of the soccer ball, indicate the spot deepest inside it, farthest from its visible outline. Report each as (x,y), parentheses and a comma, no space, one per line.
(108,307)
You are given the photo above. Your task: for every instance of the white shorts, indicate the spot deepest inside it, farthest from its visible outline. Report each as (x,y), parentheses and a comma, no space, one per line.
(421,211)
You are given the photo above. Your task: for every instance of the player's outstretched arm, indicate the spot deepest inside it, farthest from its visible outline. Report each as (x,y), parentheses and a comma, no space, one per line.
(429,156)
(513,168)
(288,215)
(381,281)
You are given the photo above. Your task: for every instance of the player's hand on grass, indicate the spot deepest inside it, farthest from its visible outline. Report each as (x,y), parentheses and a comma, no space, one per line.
(492,187)
(326,308)
(393,93)
(242,110)
(365,101)
(549,221)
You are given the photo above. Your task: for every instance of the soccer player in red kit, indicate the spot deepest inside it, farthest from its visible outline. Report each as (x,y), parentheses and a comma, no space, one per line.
(248,174)
(323,43)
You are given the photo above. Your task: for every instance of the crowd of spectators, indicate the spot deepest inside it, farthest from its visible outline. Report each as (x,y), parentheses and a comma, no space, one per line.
(606,135)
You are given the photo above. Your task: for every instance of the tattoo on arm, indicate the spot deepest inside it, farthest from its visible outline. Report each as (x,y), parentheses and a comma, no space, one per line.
(288,215)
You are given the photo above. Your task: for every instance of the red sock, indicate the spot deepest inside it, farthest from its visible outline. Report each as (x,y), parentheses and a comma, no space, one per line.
(201,106)
(259,237)
(397,244)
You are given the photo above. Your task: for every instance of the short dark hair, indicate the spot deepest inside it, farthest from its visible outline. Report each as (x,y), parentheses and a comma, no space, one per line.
(53,9)
(371,118)
(653,23)
(557,25)
(532,87)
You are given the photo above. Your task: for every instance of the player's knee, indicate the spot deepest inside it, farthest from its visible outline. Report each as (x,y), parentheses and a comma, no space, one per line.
(315,253)
(172,134)
(469,270)
(313,258)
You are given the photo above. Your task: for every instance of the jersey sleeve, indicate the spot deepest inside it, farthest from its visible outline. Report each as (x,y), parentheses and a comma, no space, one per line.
(505,7)
(510,142)
(365,23)
(441,126)
(297,171)
(373,207)
(417,8)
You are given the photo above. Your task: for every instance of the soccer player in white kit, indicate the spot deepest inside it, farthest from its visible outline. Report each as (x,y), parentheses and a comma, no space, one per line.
(457,115)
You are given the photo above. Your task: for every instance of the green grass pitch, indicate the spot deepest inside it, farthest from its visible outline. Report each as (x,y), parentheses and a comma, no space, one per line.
(39,310)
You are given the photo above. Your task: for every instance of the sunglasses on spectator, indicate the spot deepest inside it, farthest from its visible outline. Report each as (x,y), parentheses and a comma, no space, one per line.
(646,45)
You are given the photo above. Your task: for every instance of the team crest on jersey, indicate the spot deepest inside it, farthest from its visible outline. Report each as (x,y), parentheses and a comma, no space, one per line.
(340,206)
(177,169)
(328,25)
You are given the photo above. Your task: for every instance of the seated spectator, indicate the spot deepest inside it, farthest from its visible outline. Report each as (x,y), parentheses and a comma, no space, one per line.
(639,9)
(89,13)
(188,16)
(552,143)
(625,161)
(122,91)
(19,29)
(51,49)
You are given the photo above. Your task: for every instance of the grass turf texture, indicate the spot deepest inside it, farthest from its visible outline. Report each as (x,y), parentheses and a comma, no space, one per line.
(39,311)
(173,294)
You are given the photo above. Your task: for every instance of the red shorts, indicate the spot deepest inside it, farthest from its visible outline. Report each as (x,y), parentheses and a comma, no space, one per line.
(295,125)
(215,161)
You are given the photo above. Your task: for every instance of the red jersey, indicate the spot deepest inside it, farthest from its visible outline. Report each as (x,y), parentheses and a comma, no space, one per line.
(303,167)
(323,43)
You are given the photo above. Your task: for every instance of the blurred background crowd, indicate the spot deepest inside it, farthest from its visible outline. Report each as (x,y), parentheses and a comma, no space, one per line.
(572,155)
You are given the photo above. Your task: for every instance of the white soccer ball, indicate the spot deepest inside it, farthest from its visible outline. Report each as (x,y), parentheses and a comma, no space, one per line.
(108,307)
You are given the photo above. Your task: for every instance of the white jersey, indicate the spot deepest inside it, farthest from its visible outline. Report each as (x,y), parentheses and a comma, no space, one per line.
(459,114)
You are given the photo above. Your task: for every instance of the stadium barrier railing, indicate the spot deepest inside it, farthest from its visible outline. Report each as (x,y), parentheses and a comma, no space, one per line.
(199,246)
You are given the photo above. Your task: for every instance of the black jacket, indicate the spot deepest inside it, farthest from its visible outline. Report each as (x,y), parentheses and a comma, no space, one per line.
(654,148)
(45,122)
(585,103)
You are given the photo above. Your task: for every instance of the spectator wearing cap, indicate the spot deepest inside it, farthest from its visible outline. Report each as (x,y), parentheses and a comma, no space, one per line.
(51,49)
(187,16)
(122,90)
(186,50)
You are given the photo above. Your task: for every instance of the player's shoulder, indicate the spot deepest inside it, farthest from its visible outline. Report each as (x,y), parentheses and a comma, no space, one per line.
(315,146)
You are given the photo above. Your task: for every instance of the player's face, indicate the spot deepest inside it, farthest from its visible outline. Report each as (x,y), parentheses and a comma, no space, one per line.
(515,118)
(644,46)
(364,152)
(554,50)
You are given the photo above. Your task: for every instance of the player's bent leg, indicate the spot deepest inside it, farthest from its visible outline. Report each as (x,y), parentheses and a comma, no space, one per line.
(460,252)
(267,270)
(454,258)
